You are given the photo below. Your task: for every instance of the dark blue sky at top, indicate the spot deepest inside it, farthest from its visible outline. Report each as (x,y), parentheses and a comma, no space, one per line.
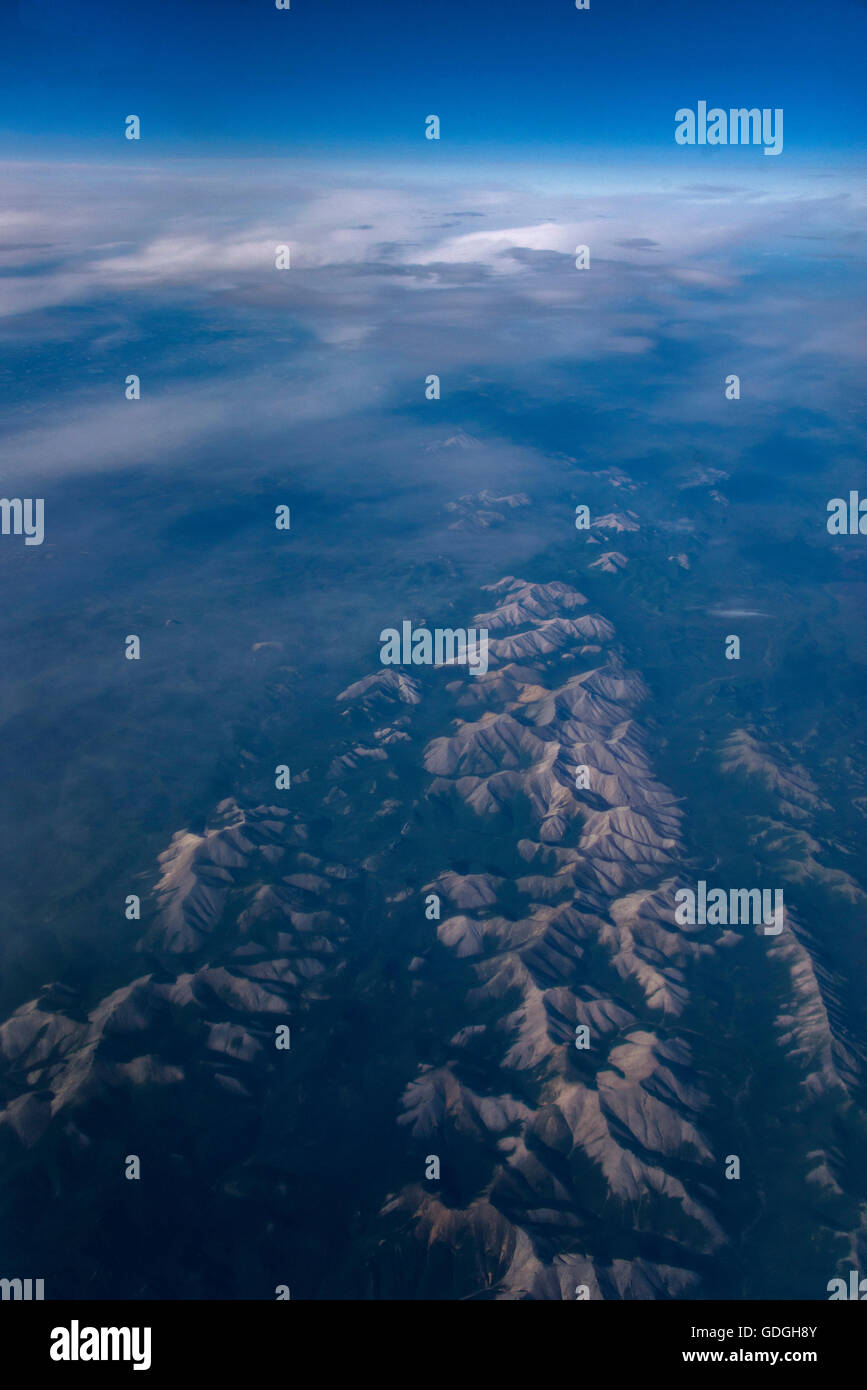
(240,75)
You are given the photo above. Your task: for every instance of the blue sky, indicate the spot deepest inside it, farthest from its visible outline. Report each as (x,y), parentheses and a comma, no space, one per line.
(222,75)
(261,127)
